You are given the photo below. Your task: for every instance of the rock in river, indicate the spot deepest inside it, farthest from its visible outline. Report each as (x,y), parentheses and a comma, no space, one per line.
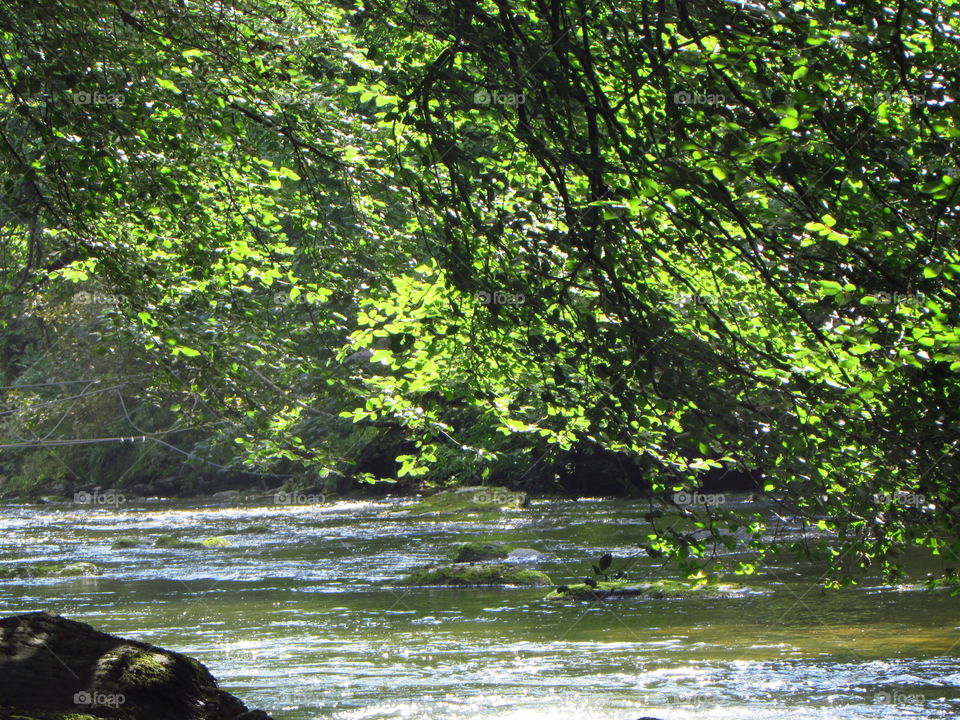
(481,552)
(466,499)
(52,668)
(657,589)
(475,574)
(42,570)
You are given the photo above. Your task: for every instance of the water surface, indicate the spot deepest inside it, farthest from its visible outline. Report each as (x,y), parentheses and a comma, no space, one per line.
(301,620)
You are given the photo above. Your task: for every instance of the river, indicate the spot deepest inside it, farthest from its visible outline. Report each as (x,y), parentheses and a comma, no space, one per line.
(299,619)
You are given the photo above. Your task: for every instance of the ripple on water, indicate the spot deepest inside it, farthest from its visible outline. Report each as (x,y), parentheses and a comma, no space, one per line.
(294,619)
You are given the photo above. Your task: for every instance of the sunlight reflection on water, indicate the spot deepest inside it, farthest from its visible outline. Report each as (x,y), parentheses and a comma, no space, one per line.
(293,616)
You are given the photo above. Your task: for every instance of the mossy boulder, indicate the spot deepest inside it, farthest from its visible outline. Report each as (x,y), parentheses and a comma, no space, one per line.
(215,542)
(78,569)
(9,713)
(42,570)
(468,499)
(484,552)
(479,552)
(175,543)
(652,589)
(478,574)
(52,668)
(251,530)
(172,541)
(125,543)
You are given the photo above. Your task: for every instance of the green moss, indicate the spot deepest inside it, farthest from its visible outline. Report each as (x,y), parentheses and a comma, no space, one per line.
(9,713)
(468,499)
(466,575)
(252,530)
(478,552)
(145,669)
(125,543)
(171,541)
(175,543)
(652,589)
(215,542)
(80,569)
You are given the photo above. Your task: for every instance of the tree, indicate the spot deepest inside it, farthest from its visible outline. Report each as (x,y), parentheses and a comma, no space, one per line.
(732,227)
(694,235)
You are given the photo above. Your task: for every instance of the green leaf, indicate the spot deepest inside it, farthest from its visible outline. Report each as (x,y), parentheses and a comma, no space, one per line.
(168,85)
(830,288)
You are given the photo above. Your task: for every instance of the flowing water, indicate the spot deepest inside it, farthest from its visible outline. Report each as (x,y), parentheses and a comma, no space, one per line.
(300,618)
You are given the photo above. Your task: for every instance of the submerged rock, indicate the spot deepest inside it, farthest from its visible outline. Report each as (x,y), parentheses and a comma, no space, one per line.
(52,668)
(259,529)
(171,541)
(125,543)
(476,575)
(467,499)
(653,589)
(41,570)
(215,542)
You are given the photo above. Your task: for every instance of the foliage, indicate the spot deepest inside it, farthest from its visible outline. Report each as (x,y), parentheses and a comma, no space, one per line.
(708,236)
(485,236)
